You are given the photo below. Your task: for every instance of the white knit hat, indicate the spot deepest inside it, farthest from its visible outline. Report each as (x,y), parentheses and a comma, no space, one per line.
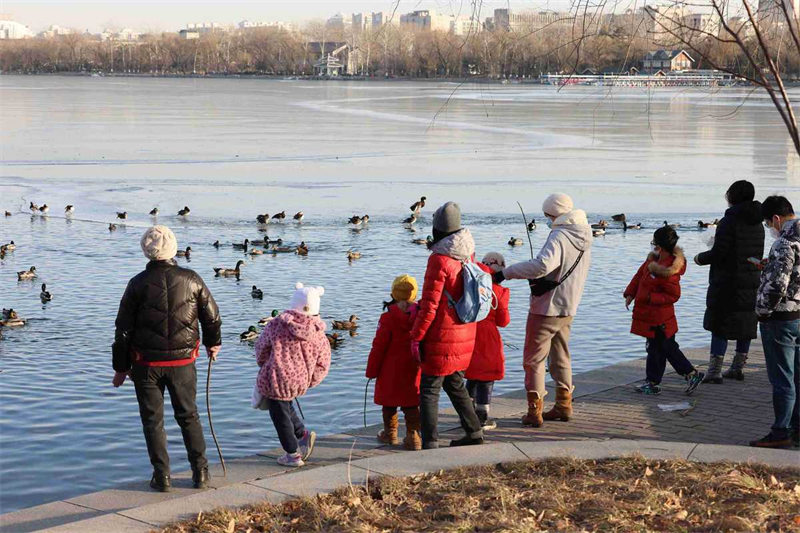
(306,299)
(557,204)
(159,243)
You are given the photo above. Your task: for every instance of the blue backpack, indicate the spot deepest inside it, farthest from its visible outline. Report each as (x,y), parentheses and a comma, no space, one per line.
(478,297)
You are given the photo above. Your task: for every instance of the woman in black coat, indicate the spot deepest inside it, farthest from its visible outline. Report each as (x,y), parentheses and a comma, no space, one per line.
(733,281)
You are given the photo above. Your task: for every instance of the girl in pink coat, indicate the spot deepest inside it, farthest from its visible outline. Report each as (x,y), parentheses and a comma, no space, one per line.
(293,355)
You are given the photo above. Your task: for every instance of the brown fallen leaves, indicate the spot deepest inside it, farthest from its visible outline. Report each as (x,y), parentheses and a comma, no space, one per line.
(631,494)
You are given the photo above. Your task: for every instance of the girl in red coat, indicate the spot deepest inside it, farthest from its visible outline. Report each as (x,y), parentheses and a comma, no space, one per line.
(393,367)
(488,363)
(654,290)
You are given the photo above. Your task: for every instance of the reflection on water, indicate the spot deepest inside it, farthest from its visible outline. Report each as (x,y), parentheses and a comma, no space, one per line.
(233,148)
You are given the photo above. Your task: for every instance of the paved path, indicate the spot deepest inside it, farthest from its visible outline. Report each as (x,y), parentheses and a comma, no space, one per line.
(611,420)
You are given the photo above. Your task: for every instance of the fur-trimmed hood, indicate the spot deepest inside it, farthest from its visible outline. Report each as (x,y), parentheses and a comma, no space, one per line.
(460,245)
(659,267)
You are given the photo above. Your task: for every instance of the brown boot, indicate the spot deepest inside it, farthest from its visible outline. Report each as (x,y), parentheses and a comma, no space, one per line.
(535,406)
(388,434)
(562,410)
(413,441)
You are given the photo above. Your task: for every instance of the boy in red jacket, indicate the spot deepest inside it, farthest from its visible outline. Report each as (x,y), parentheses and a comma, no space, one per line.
(488,363)
(654,290)
(394,368)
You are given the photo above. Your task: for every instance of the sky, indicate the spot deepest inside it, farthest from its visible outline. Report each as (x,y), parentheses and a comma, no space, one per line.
(172,15)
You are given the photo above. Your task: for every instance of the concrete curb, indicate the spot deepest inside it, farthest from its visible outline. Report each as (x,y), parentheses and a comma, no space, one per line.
(325,479)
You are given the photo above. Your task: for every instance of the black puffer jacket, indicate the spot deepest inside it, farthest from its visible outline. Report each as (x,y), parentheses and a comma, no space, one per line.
(733,281)
(160,314)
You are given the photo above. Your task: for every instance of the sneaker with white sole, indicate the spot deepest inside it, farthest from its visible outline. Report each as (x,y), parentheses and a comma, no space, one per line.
(306,444)
(649,388)
(694,380)
(294,460)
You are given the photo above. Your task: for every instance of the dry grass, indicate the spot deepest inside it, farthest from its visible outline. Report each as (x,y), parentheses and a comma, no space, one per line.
(631,494)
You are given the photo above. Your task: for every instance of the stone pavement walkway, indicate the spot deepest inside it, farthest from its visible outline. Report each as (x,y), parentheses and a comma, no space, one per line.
(611,420)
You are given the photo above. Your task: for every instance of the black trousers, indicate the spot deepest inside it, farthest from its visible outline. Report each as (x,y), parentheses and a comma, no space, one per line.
(453,385)
(181,382)
(480,391)
(289,427)
(661,349)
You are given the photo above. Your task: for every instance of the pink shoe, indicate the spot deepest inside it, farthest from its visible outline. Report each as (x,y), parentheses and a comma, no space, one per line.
(295,460)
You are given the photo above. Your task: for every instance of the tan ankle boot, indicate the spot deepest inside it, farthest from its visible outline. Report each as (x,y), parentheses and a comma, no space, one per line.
(562,410)
(388,434)
(535,406)
(413,441)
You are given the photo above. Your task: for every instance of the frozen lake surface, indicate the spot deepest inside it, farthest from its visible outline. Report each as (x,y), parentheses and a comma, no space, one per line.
(231,149)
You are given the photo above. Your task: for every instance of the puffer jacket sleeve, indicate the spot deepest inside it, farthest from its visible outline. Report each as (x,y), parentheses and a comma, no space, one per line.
(264,346)
(723,242)
(125,323)
(323,362)
(548,259)
(669,292)
(380,347)
(633,286)
(502,317)
(432,292)
(208,313)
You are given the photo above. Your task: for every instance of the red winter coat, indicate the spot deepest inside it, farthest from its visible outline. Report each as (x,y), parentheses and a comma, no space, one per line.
(488,361)
(390,362)
(446,343)
(655,288)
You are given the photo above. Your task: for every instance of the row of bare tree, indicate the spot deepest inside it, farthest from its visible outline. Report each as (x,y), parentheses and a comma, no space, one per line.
(391,51)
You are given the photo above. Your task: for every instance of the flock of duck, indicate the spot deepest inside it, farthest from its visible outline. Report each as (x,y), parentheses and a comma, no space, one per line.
(10,318)
(263,245)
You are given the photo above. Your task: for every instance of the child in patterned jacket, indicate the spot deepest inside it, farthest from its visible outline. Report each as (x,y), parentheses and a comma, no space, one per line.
(293,355)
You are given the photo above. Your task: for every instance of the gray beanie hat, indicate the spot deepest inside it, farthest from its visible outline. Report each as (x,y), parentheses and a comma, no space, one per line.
(447,219)
(159,243)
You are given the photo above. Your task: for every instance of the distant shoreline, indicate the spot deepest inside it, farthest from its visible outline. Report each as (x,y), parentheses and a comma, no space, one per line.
(367,79)
(535,81)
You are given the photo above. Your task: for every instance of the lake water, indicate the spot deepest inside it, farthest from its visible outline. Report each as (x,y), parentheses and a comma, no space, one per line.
(231,149)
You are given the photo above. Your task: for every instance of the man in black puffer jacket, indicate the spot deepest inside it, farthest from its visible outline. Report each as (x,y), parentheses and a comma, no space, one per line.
(733,281)
(157,341)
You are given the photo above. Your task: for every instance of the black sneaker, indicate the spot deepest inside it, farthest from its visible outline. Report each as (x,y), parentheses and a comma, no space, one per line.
(486,422)
(796,437)
(200,478)
(693,381)
(772,441)
(466,441)
(160,482)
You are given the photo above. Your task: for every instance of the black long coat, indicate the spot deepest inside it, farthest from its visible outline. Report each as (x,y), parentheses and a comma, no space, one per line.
(733,281)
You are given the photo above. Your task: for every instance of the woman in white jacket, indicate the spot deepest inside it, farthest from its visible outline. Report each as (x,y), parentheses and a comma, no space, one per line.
(559,271)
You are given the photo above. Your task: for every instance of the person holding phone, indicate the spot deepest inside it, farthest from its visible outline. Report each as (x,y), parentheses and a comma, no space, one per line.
(778,309)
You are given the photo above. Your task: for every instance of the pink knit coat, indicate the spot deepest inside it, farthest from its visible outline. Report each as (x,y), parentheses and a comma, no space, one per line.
(294,355)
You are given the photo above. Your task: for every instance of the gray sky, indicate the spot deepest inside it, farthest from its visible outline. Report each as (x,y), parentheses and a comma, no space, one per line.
(171,15)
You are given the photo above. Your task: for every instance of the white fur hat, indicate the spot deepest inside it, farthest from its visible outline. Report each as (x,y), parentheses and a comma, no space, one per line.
(306,299)
(557,204)
(495,261)
(159,243)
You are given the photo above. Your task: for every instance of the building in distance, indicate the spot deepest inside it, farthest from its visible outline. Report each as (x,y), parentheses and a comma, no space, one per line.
(10,29)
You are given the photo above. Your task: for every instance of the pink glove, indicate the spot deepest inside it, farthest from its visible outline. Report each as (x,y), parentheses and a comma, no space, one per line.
(119,378)
(415,353)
